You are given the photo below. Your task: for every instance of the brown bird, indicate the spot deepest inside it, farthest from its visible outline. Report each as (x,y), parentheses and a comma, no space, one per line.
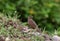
(32,23)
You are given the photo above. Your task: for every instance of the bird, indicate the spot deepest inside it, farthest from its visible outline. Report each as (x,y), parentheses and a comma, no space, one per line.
(32,23)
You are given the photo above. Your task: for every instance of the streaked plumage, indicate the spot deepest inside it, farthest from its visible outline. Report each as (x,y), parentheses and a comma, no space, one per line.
(32,23)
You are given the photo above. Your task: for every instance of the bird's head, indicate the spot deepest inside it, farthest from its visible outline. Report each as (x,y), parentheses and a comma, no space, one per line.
(30,17)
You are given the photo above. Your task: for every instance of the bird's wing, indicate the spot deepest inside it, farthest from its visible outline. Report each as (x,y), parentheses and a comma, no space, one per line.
(32,23)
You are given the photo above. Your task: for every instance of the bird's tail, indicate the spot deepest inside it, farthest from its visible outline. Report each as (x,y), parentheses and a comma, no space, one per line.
(38,30)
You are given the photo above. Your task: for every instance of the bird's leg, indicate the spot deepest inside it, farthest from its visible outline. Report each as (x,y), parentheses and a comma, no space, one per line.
(38,30)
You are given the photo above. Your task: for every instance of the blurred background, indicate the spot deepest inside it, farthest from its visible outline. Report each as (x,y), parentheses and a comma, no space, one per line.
(46,13)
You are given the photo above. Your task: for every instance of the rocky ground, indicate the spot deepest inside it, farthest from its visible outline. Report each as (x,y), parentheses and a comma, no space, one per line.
(12,29)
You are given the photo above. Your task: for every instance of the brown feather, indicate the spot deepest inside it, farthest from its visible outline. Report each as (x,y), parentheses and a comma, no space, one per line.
(32,23)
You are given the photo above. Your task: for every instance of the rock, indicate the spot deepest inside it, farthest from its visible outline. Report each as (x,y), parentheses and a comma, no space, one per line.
(56,38)
(8,39)
(25,29)
(47,40)
(35,33)
(2,38)
(47,37)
